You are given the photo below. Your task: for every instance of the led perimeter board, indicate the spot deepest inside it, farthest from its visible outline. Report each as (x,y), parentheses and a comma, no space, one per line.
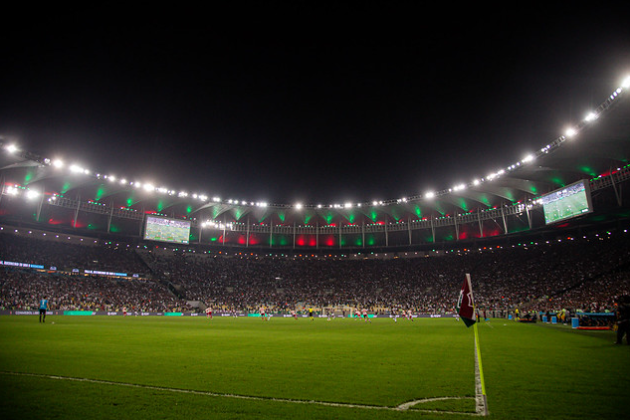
(571,201)
(167,230)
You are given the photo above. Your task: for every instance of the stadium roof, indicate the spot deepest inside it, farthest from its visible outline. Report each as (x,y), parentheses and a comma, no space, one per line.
(594,148)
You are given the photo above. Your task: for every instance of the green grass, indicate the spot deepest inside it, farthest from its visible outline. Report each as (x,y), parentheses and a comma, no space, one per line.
(531,371)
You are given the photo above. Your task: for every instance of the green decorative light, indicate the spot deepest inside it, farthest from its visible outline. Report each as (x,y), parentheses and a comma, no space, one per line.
(100,192)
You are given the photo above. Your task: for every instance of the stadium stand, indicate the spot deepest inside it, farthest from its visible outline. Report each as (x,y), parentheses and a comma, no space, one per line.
(576,274)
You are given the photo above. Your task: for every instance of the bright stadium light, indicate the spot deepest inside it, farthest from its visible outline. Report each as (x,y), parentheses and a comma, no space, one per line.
(591,116)
(298,206)
(528,159)
(429,195)
(30,194)
(11,148)
(626,83)
(76,169)
(570,132)
(57,163)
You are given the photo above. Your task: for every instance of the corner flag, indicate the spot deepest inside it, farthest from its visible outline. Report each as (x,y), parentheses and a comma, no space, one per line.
(466,303)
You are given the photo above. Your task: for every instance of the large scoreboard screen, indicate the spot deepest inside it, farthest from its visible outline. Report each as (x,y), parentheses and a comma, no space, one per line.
(167,230)
(571,201)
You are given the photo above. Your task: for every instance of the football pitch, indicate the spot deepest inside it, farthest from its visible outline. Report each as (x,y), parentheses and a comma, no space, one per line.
(174,368)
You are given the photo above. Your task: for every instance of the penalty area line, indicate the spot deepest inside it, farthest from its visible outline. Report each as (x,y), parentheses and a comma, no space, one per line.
(402,407)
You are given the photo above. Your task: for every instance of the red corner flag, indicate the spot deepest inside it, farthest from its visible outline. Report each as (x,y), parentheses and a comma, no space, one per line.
(466,303)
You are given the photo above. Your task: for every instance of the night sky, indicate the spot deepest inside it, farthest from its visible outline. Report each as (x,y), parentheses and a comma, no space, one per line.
(316,105)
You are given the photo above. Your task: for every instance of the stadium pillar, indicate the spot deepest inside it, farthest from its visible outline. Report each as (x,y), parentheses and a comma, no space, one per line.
(294,235)
(505,228)
(386,234)
(1,187)
(41,204)
(317,235)
(409,228)
(432,227)
(224,232)
(76,212)
(363,233)
(617,192)
(141,224)
(247,237)
(339,233)
(456,225)
(480,223)
(111,215)
(529,218)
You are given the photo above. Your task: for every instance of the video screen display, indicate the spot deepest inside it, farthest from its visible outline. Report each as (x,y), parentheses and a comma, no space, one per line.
(565,203)
(167,230)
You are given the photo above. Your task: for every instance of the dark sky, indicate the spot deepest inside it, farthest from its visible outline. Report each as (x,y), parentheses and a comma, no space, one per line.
(318,105)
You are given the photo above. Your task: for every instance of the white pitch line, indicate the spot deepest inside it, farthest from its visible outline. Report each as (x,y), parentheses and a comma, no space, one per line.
(402,407)
(481,406)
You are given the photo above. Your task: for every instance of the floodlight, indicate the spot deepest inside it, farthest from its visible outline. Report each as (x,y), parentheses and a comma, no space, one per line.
(528,158)
(570,132)
(12,148)
(591,117)
(30,194)
(57,163)
(626,83)
(430,194)
(298,206)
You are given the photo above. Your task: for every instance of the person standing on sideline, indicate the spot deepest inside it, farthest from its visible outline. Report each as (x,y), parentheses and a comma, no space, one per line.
(623,319)
(43,306)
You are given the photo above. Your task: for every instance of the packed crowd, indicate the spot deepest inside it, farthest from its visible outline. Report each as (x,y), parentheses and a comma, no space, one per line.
(21,290)
(68,256)
(584,274)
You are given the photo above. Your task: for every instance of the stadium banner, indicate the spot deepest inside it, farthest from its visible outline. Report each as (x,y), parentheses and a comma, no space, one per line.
(29,312)
(199,314)
(79,313)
